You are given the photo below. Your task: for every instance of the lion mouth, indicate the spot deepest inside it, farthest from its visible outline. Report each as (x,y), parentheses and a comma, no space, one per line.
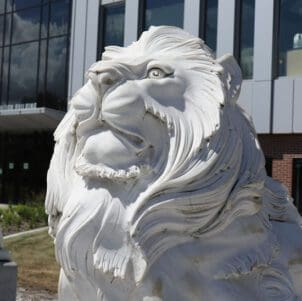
(110,153)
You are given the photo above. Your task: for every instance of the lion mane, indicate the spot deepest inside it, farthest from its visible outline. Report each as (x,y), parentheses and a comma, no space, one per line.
(211,169)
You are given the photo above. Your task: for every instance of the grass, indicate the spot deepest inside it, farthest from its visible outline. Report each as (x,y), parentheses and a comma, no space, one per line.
(34,255)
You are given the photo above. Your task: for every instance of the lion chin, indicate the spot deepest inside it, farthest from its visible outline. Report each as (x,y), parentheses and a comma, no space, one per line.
(157,188)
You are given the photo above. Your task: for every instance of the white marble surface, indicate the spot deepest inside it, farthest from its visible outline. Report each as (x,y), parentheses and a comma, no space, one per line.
(157,188)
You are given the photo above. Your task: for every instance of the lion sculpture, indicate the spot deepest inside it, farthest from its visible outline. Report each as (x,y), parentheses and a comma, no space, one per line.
(157,188)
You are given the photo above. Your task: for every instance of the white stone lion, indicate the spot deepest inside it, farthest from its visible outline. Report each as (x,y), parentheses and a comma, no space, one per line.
(157,188)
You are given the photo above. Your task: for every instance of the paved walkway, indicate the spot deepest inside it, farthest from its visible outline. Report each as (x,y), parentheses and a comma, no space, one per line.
(28,295)
(26,232)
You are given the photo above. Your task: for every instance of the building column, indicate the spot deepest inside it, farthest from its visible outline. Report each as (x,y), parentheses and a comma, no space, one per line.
(263,60)
(225,27)
(131,21)
(192,16)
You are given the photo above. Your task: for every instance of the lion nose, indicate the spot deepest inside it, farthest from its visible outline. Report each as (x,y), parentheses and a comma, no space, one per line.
(108,78)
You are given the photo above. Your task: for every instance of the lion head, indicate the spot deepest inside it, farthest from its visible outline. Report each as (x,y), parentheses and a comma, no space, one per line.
(154,152)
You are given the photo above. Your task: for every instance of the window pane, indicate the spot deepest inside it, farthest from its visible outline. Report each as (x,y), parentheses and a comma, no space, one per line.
(290,37)
(9,5)
(5,75)
(56,73)
(211,24)
(44,22)
(2,6)
(246,52)
(1,29)
(19,4)
(23,73)
(26,25)
(164,12)
(59,18)
(114,17)
(8,26)
(42,70)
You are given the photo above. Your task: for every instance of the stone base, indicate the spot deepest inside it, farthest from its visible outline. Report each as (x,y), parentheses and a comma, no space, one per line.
(8,281)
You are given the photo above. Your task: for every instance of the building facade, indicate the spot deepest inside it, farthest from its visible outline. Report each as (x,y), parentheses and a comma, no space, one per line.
(264,36)
(34,52)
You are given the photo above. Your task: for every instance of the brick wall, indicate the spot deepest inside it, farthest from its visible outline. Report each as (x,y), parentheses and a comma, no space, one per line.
(282,149)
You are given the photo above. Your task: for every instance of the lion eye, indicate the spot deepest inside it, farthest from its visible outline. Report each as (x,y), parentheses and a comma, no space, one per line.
(156,73)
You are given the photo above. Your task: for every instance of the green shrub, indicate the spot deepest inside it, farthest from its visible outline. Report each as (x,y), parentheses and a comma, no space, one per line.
(21,215)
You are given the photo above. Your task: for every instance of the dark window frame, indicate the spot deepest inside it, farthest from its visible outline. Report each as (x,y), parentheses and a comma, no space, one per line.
(141,16)
(237,45)
(102,27)
(203,20)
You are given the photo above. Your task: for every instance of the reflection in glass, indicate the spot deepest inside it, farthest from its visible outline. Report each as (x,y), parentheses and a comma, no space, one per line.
(164,12)
(31,56)
(59,18)
(5,74)
(2,6)
(1,29)
(290,38)
(114,17)
(246,51)
(56,73)
(8,26)
(19,4)
(42,70)
(44,21)
(23,73)
(9,5)
(26,25)
(211,24)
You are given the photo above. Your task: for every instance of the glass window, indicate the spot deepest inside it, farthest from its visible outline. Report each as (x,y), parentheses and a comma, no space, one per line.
(2,6)
(9,5)
(59,18)
(8,26)
(44,21)
(113,25)
(26,25)
(1,29)
(56,73)
(19,4)
(5,75)
(42,70)
(23,73)
(290,38)
(163,12)
(211,24)
(297,184)
(245,36)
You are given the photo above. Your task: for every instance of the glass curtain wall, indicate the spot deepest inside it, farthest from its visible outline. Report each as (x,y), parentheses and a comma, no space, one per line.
(289,40)
(34,41)
(244,36)
(111,27)
(161,12)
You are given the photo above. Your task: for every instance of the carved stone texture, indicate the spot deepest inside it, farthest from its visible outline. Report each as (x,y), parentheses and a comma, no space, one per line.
(157,188)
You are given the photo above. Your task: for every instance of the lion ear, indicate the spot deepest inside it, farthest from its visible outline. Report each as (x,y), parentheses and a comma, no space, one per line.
(232,77)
